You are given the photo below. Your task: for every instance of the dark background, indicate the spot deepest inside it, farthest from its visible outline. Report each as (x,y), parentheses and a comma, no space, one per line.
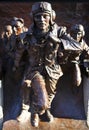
(68,13)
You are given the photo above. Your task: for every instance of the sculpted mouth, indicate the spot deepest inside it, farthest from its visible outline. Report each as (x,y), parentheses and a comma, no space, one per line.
(41,23)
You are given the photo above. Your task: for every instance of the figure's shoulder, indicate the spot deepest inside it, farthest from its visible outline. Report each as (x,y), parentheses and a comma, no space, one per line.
(62,30)
(23,35)
(30,29)
(27,33)
(83,41)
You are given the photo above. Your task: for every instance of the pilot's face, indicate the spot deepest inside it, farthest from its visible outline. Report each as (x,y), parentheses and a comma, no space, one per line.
(42,20)
(77,36)
(18,27)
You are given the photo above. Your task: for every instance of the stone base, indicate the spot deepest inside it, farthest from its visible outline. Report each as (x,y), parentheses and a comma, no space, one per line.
(58,124)
(67,108)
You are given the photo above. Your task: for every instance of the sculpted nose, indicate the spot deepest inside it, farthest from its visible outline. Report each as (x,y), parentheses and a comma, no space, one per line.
(42,18)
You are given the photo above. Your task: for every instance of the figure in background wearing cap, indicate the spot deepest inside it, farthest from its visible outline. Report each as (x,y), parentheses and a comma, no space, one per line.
(18,28)
(10,38)
(77,32)
(72,57)
(42,42)
(6,37)
(10,35)
(18,25)
(5,40)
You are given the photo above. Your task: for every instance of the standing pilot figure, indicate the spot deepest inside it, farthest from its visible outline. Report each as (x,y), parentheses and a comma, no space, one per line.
(41,42)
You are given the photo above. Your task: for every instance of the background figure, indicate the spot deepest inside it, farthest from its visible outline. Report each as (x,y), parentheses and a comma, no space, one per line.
(5,43)
(8,47)
(6,37)
(18,28)
(77,32)
(18,25)
(7,31)
(4,49)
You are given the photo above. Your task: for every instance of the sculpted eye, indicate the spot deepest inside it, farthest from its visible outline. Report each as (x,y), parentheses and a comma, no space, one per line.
(38,16)
(46,16)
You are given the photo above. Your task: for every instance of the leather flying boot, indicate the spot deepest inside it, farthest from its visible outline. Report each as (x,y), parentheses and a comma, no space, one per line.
(87,120)
(87,124)
(24,116)
(35,119)
(49,116)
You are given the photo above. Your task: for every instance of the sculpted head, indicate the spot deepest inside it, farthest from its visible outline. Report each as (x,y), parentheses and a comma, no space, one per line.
(17,24)
(77,32)
(8,30)
(42,14)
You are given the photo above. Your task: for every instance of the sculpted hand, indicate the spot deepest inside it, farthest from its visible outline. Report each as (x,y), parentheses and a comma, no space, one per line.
(62,31)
